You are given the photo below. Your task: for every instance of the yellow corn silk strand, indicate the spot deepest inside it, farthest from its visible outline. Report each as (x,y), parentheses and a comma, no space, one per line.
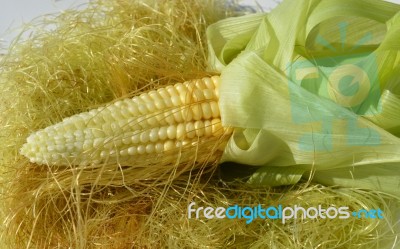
(314,87)
(153,123)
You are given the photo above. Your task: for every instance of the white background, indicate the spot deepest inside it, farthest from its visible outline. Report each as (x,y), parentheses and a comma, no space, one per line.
(13,13)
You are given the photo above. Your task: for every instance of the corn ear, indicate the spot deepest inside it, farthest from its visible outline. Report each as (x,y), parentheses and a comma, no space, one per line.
(155,122)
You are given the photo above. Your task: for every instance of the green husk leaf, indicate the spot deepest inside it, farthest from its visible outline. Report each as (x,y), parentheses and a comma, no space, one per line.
(380,177)
(276,176)
(235,31)
(288,125)
(283,86)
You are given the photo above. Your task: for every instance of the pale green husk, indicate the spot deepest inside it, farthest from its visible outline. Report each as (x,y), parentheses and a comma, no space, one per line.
(266,62)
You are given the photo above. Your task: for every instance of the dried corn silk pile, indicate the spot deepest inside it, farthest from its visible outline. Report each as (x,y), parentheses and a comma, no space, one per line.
(96,58)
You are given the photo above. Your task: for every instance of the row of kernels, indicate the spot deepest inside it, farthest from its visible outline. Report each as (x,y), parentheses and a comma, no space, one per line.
(191,129)
(180,131)
(149,148)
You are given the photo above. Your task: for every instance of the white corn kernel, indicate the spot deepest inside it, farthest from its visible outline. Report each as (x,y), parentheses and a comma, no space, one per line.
(159,121)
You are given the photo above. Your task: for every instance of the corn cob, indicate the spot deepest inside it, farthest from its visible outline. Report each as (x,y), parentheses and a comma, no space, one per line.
(155,122)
